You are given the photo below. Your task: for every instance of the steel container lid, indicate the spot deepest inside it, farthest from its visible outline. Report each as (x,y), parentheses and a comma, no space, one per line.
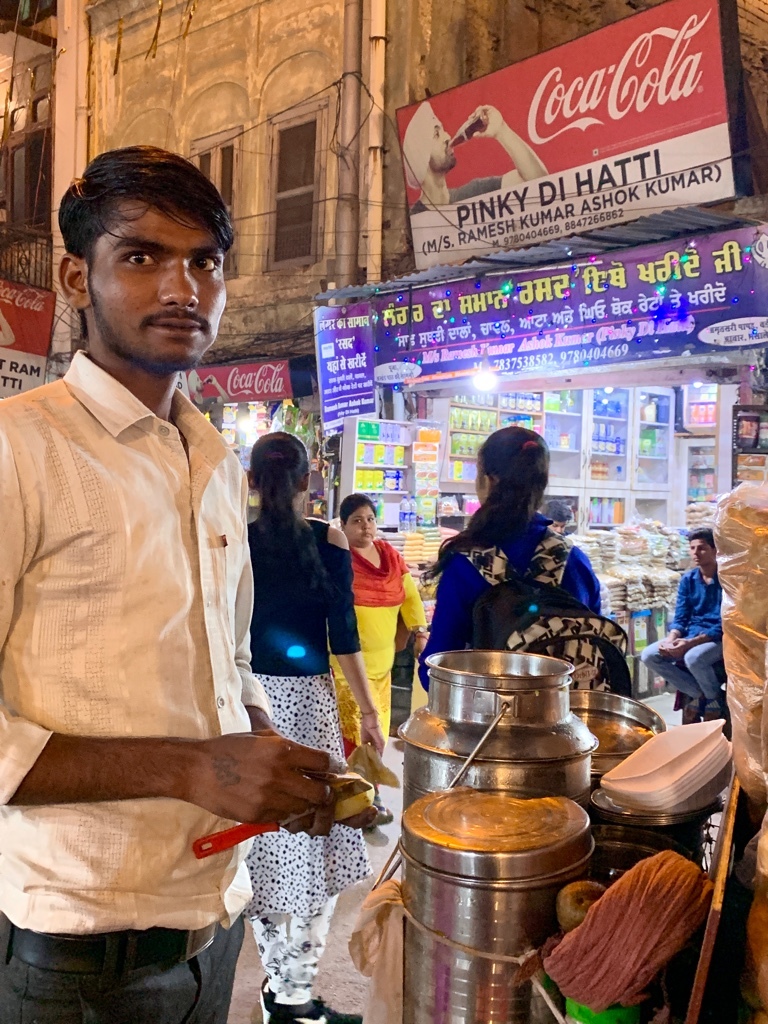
(506,671)
(489,835)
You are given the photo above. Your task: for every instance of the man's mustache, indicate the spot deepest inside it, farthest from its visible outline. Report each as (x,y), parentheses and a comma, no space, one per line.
(155,319)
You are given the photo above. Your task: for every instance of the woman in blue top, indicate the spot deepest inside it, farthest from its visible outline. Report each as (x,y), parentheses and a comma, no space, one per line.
(512,475)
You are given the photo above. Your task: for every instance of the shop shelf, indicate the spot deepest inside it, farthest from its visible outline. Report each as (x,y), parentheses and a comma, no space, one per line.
(481,408)
(566,451)
(466,458)
(654,426)
(657,458)
(381,465)
(381,490)
(474,433)
(574,415)
(609,419)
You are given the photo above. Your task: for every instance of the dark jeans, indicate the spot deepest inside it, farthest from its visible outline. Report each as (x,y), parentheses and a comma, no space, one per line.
(196,992)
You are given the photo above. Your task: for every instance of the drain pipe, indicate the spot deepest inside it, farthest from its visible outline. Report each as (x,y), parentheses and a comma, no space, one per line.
(378,44)
(348,202)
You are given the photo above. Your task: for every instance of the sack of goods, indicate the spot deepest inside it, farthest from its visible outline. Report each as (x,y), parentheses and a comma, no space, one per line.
(680,770)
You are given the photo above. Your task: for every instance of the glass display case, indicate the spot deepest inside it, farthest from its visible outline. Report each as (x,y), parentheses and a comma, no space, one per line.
(700,411)
(701,472)
(563,432)
(609,445)
(653,438)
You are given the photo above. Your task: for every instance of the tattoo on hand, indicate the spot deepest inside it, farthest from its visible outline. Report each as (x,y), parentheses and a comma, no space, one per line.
(224,767)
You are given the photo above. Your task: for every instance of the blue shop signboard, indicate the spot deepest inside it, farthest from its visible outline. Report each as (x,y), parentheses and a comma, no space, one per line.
(685,298)
(344,363)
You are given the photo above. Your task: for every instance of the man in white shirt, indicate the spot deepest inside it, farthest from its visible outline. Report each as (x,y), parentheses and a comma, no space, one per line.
(130,722)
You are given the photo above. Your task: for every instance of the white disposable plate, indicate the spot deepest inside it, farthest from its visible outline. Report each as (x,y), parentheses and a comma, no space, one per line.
(682,791)
(649,788)
(668,757)
(654,782)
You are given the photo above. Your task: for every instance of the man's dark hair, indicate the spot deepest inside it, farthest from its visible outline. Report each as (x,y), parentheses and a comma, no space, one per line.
(558,511)
(144,174)
(703,533)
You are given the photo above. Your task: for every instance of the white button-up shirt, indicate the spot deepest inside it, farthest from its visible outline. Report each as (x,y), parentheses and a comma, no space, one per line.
(125,605)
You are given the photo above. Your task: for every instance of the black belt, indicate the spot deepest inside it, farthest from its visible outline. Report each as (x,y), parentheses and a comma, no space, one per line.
(110,955)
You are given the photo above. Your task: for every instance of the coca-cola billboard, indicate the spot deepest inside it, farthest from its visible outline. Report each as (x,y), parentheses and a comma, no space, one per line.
(26,322)
(244,382)
(626,121)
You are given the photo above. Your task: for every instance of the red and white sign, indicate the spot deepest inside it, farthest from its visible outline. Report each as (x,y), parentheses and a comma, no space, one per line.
(26,322)
(625,121)
(244,382)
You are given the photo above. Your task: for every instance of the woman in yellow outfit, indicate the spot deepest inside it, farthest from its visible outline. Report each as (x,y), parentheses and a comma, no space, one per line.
(384,592)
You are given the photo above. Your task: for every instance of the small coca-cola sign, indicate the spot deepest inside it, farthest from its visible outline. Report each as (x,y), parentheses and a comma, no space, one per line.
(243,382)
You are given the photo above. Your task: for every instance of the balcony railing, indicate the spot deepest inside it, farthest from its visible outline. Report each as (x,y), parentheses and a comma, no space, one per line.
(26,256)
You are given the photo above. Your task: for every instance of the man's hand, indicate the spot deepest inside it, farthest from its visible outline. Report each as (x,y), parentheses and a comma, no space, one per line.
(670,646)
(492,120)
(260,720)
(321,821)
(257,778)
(679,648)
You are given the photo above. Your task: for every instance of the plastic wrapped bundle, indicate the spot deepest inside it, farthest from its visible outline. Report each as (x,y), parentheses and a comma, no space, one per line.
(741,529)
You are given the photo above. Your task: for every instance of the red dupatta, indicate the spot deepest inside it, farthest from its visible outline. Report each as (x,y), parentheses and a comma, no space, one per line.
(380,587)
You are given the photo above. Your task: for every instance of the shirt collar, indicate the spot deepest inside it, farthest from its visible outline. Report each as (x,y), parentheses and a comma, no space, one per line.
(117,409)
(113,405)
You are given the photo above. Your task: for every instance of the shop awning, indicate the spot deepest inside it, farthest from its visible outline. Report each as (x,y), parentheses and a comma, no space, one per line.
(660,227)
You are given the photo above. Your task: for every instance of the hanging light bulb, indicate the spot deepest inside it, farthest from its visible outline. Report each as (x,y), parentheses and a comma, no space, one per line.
(608,390)
(486,378)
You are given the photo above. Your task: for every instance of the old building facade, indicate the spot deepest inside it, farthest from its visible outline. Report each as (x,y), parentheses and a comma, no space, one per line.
(250,91)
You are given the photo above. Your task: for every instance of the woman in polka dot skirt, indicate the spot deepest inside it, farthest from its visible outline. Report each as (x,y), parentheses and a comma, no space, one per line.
(303,602)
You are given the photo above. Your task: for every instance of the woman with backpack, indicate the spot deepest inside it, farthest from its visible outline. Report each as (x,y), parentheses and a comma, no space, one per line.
(506,531)
(303,602)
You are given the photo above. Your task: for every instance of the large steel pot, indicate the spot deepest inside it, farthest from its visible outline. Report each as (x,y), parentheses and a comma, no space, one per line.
(483,870)
(621,725)
(539,748)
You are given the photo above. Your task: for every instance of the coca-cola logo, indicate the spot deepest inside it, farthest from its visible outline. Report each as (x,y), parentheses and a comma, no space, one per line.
(648,72)
(22,298)
(265,380)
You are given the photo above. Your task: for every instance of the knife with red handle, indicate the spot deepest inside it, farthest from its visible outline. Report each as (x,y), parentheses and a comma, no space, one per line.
(217,842)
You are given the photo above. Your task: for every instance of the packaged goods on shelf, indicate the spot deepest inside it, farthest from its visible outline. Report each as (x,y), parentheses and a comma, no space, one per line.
(615,590)
(413,549)
(638,596)
(589,543)
(700,513)
(600,546)
(679,555)
(633,545)
(663,585)
(606,598)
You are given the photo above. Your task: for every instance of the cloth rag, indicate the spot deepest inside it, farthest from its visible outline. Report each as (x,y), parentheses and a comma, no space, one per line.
(631,933)
(376,948)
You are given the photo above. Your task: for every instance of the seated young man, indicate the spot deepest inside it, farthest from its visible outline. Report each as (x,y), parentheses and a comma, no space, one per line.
(690,657)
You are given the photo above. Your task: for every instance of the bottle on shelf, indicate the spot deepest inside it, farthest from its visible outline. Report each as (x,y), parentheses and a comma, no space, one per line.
(404,519)
(413,515)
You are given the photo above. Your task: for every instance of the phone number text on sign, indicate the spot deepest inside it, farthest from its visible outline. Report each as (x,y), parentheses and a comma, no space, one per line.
(548,360)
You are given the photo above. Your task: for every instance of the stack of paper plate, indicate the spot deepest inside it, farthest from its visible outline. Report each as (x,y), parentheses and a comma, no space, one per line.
(672,769)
